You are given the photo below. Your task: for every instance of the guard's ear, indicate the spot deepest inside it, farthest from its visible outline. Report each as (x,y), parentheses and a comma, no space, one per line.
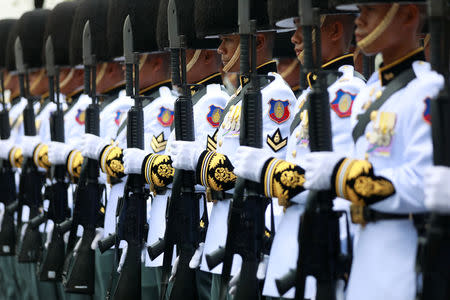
(260,41)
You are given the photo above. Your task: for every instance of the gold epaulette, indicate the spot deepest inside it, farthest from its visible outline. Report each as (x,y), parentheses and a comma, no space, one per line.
(215,171)
(111,161)
(282,180)
(16,157)
(158,170)
(40,156)
(74,163)
(355,180)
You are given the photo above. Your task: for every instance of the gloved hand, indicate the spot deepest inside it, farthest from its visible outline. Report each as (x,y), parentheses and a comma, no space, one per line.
(124,246)
(50,228)
(92,146)
(197,257)
(437,189)
(5,148)
(173,273)
(318,168)
(132,160)
(185,155)
(58,153)
(233,283)
(2,214)
(29,143)
(262,268)
(98,237)
(250,162)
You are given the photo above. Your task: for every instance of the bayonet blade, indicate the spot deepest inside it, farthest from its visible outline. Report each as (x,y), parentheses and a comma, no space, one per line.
(244,16)
(18,55)
(50,57)
(128,41)
(172,22)
(88,59)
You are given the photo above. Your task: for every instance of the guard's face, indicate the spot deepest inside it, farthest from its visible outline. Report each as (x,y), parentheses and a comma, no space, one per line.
(369,18)
(297,39)
(227,48)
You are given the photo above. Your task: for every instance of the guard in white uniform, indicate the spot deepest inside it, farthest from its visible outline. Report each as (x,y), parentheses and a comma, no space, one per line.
(384,173)
(342,91)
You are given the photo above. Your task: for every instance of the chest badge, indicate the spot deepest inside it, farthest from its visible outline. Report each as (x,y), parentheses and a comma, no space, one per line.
(165,117)
(213,116)
(380,139)
(80,117)
(118,117)
(342,103)
(279,111)
(427,110)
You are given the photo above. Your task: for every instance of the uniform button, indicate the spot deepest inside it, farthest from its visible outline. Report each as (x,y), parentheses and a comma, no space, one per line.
(294,153)
(220,143)
(378,95)
(366,157)
(297,135)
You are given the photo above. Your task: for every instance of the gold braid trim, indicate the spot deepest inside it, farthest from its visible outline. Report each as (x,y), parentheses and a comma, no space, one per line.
(355,181)
(40,156)
(283,180)
(158,170)
(378,31)
(16,157)
(217,172)
(111,161)
(74,163)
(233,60)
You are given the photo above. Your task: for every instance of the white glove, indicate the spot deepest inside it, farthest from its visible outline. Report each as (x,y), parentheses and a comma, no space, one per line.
(2,214)
(92,146)
(98,237)
(173,273)
(5,148)
(29,143)
(197,257)
(185,155)
(262,268)
(318,168)
(437,189)
(132,160)
(124,246)
(58,153)
(249,162)
(50,228)
(233,283)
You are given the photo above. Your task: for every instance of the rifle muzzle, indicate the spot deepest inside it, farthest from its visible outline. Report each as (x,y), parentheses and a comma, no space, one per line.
(156,249)
(215,258)
(286,282)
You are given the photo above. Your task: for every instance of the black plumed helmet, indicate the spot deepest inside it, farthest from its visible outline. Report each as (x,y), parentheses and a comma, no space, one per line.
(10,58)
(6,26)
(96,12)
(143,15)
(59,25)
(31,32)
(220,17)
(186,25)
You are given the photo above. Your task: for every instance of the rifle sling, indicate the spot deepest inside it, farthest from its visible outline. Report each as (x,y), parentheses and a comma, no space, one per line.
(396,84)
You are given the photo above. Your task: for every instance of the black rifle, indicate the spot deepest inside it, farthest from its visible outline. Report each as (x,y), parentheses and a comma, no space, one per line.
(182,215)
(7,186)
(31,181)
(79,272)
(319,240)
(133,214)
(246,221)
(51,265)
(435,259)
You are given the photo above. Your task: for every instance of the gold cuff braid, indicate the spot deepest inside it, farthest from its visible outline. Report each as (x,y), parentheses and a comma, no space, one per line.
(282,180)
(40,156)
(216,171)
(111,161)
(16,157)
(158,170)
(355,181)
(74,163)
